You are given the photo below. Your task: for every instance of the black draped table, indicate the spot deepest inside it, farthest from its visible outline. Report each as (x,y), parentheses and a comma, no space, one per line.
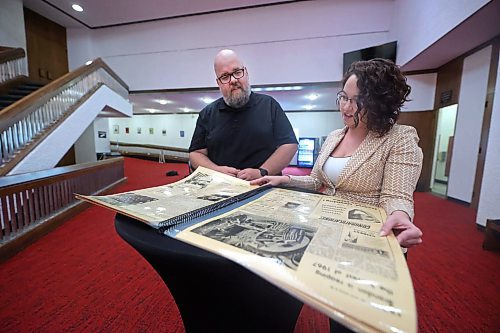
(213,294)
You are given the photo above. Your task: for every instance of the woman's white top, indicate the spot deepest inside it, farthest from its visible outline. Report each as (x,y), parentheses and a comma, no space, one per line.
(334,166)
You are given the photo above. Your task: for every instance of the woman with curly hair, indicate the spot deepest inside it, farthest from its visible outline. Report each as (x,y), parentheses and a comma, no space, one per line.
(372,159)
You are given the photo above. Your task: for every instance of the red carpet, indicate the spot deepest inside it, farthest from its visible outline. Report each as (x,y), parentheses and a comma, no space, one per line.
(456,283)
(83,278)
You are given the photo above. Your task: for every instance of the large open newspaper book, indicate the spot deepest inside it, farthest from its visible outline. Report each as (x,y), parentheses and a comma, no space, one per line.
(325,251)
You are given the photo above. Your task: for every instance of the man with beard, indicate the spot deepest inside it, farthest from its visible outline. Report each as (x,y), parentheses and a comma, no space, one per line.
(242,134)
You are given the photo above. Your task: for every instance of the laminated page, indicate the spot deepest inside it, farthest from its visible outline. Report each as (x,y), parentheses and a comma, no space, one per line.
(325,251)
(203,188)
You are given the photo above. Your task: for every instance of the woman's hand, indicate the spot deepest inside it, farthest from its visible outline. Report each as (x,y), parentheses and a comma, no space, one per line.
(271,180)
(406,232)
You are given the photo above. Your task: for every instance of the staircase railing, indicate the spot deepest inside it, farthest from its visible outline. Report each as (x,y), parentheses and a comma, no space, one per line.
(32,204)
(12,63)
(28,121)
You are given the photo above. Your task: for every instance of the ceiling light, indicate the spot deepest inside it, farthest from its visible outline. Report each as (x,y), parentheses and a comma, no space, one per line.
(312,97)
(77,8)
(207,100)
(185,109)
(152,110)
(297,88)
(163,101)
(309,106)
(257,89)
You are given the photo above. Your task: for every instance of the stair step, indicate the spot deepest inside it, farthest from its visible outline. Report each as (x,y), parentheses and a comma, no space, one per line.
(32,84)
(18,92)
(15,94)
(29,87)
(11,98)
(21,90)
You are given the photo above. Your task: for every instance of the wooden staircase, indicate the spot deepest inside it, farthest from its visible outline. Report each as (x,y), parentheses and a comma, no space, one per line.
(30,111)
(18,91)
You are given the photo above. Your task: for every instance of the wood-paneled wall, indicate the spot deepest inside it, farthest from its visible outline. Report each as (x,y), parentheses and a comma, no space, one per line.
(46,47)
(425,123)
(448,82)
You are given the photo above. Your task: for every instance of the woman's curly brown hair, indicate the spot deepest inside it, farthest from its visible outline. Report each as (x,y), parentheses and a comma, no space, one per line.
(382,92)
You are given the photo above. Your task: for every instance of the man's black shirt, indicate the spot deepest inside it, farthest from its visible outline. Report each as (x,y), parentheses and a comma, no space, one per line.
(245,137)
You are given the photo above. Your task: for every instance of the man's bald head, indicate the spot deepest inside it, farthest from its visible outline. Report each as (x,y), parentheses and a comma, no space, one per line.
(224,57)
(235,91)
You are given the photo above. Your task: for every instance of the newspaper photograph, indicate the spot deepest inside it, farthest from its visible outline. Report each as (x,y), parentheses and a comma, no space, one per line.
(156,204)
(325,251)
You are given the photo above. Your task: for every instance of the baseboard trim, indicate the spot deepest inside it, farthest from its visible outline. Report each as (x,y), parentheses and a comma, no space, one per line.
(458,201)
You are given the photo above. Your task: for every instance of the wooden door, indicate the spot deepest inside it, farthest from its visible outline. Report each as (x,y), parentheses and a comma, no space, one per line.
(46,47)
(425,124)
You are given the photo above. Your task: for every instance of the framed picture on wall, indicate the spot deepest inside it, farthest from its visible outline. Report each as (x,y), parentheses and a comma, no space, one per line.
(116,129)
(139,130)
(181,133)
(164,132)
(101,134)
(127,130)
(151,130)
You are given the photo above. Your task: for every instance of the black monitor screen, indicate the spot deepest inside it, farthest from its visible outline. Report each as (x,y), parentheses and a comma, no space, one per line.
(385,51)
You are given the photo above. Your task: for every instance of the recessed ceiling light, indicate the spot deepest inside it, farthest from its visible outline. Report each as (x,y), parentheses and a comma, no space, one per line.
(312,97)
(152,110)
(77,8)
(185,109)
(309,106)
(207,100)
(163,101)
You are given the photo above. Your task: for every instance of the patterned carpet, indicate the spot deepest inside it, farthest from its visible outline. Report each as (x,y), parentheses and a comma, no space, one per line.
(83,278)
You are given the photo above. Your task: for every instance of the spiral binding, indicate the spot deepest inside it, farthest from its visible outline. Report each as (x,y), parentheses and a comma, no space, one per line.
(189,216)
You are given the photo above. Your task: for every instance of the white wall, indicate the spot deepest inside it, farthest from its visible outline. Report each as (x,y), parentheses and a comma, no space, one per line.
(423,90)
(172,124)
(419,24)
(310,124)
(315,124)
(298,42)
(85,146)
(12,24)
(489,206)
(473,88)
(101,143)
(89,144)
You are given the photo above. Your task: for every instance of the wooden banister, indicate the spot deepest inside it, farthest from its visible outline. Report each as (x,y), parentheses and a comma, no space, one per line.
(32,208)
(26,122)
(20,109)
(31,204)
(43,177)
(4,170)
(8,53)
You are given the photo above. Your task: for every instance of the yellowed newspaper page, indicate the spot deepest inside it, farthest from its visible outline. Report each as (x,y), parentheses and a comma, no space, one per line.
(156,204)
(325,251)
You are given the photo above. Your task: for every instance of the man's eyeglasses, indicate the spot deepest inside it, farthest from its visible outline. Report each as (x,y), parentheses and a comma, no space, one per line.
(342,100)
(237,74)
